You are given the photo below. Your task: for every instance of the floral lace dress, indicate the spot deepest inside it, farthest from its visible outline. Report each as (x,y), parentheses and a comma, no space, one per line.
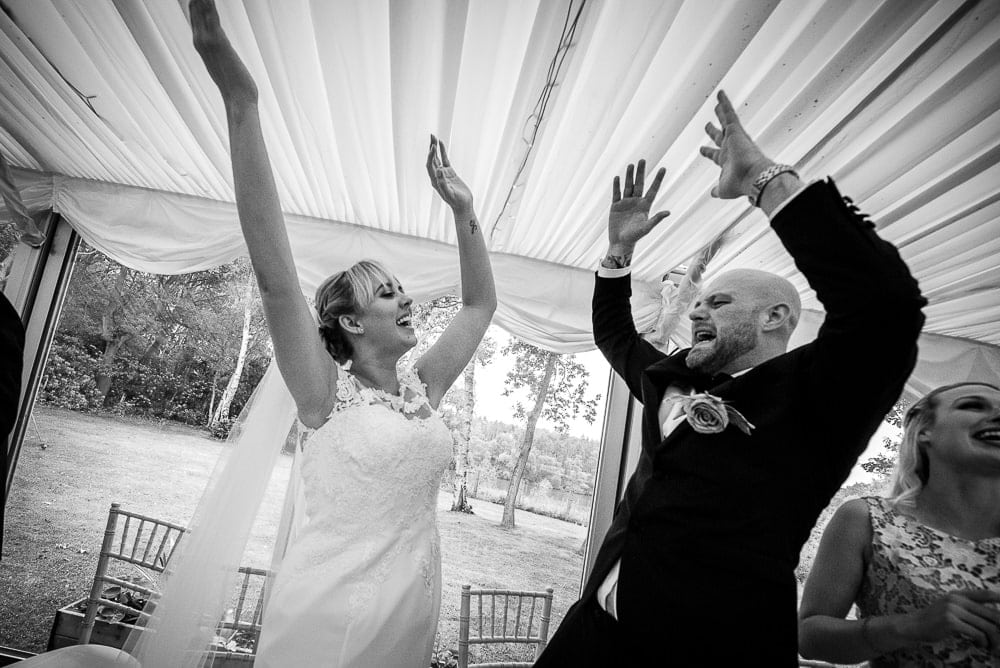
(911,565)
(361,585)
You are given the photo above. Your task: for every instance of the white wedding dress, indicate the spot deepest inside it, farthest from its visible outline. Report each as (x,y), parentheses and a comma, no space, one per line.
(360,586)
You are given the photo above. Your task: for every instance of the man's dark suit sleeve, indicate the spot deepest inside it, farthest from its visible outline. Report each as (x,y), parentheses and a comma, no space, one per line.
(615,334)
(854,371)
(872,302)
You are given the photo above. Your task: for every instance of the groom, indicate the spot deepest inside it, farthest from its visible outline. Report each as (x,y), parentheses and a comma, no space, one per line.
(697,568)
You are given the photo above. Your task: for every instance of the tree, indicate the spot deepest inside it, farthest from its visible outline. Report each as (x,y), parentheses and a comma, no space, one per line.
(114,337)
(155,345)
(431,318)
(557,386)
(149,314)
(882,464)
(222,411)
(463,434)
(8,245)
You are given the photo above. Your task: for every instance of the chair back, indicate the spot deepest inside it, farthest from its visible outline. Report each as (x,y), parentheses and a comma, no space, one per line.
(246,615)
(237,633)
(134,548)
(503,616)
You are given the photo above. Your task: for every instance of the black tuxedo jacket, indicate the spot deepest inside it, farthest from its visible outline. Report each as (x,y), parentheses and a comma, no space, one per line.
(711,525)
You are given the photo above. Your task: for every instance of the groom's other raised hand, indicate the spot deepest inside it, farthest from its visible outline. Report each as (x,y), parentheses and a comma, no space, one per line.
(743,164)
(629,219)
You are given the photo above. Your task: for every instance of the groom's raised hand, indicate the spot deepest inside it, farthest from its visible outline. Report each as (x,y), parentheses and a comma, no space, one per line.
(738,156)
(629,219)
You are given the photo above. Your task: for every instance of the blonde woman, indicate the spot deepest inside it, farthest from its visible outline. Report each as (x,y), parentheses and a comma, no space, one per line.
(923,565)
(360,585)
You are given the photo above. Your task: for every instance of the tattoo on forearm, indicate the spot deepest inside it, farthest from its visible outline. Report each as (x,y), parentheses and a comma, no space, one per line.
(473,226)
(616,261)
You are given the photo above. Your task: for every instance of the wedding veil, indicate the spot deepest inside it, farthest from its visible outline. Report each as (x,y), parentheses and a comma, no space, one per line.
(201,575)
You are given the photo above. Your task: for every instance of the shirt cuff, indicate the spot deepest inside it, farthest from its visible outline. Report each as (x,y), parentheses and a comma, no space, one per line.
(604,272)
(798,192)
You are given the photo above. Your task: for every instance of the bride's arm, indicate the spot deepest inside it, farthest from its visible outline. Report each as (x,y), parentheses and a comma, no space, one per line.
(441,365)
(304,362)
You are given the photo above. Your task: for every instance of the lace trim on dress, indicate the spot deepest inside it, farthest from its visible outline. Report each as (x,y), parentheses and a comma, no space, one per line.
(411,400)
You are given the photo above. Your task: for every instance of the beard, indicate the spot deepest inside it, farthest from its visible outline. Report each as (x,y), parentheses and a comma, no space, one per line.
(726,347)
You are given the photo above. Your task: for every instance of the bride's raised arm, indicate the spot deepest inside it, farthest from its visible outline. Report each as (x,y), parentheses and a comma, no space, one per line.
(305,365)
(441,365)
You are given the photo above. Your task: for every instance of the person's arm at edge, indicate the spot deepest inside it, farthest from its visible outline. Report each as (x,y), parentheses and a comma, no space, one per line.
(832,587)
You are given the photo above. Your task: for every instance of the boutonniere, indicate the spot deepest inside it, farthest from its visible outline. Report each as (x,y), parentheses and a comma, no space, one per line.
(708,414)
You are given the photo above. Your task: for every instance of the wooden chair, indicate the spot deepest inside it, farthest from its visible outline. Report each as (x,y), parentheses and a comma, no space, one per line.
(145,545)
(243,618)
(142,544)
(504,623)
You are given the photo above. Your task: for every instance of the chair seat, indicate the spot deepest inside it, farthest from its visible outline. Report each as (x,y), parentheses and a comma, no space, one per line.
(81,656)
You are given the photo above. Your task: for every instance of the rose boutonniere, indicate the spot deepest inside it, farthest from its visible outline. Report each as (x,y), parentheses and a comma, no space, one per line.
(708,414)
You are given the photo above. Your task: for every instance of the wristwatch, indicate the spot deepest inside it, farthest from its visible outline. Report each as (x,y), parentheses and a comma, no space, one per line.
(757,187)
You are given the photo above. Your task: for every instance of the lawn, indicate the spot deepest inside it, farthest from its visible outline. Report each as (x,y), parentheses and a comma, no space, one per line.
(59,502)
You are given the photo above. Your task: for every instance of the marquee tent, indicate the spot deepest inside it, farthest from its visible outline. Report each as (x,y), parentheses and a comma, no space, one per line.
(109,118)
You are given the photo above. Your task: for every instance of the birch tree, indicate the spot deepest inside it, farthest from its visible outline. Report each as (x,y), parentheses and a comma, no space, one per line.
(431,318)
(557,390)
(222,410)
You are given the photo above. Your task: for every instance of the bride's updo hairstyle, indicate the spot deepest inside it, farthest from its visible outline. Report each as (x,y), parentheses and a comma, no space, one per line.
(347,292)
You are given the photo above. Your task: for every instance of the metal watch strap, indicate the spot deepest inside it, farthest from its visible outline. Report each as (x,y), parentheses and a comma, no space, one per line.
(764,178)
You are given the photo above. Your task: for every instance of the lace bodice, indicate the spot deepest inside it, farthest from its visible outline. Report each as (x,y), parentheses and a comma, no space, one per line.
(911,565)
(378,460)
(360,584)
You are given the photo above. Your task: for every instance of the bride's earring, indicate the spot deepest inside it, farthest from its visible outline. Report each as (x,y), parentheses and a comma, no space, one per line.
(361,330)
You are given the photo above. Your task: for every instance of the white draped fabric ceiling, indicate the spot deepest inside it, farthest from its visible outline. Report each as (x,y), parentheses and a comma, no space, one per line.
(109,117)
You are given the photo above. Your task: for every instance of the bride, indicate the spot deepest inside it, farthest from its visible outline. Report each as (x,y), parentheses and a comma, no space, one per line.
(360,584)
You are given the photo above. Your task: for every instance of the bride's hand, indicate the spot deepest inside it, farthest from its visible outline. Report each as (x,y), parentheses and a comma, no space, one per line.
(223,63)
(445,181)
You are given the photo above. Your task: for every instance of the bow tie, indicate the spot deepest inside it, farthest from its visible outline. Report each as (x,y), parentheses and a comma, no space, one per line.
(674,371)
(719,379)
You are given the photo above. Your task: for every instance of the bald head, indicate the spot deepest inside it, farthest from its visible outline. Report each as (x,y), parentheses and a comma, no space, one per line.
(742,318)
(765,288)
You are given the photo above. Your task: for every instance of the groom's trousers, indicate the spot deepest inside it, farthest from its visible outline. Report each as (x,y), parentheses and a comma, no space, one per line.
(588,636)
(697,618)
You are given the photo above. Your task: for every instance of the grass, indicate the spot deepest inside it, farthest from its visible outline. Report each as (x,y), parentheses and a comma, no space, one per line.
(539,504)
(58,507)
(539,552)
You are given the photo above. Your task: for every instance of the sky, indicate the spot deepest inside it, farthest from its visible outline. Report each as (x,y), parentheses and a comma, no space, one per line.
(491,404)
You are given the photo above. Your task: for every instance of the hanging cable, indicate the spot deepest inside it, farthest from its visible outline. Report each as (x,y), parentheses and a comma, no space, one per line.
(541,105)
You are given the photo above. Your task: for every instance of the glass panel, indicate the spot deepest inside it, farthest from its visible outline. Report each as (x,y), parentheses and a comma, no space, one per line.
(128,412)
(138,369)
(545,547)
